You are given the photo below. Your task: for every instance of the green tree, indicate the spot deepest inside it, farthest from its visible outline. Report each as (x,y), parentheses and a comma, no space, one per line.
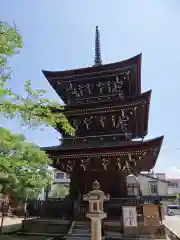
(33,109)
(22,162)
(61,191)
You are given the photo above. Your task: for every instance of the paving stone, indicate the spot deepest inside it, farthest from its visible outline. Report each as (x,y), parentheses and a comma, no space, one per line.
(173,224)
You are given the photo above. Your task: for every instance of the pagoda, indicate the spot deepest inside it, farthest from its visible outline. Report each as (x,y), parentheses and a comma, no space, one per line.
(105,105)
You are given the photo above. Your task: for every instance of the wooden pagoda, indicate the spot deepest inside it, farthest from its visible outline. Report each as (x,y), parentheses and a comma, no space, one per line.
(105,105)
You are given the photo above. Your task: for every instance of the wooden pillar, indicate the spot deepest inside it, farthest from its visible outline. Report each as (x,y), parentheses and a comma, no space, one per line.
(118,188)
(74,190)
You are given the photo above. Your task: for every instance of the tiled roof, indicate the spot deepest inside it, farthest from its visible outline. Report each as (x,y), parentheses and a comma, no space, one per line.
(173,179)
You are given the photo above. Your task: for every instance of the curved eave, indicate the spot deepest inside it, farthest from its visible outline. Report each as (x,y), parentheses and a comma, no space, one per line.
(118,102)
(64,159)
(75,110)
(95,69)
(142,102)
(69,110)
(54,78)
(130,147)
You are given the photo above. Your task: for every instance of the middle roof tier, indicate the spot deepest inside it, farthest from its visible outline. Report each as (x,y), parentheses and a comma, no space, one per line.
(126,118)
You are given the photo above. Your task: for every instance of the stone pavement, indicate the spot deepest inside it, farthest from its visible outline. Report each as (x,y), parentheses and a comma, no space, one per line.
(14,223)
(173,224)
(12,220)
(4,237)
(11,223)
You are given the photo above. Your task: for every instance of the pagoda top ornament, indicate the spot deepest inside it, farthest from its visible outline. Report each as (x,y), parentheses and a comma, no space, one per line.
(97,57)
(99,82)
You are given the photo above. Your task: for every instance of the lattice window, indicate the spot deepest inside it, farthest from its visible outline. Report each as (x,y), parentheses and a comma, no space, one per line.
(173,185)
(59,175)
(153,188)
(132,190)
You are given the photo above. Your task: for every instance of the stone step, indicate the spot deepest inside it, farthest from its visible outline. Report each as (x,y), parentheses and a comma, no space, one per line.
(82,225)
(79,237)
(81,232)
(81,228)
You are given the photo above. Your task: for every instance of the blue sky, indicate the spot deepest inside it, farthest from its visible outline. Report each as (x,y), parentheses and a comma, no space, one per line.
(59,35)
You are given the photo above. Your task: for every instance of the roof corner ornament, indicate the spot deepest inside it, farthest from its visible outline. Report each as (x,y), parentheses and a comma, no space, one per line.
(97,57)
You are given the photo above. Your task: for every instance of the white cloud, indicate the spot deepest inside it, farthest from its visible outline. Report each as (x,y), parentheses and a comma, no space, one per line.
(173,172)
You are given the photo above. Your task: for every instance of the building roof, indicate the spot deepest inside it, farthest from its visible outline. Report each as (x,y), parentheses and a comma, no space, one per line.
(173,179)
(123,146)
(154,178)
(160,173)
(144,154)
(67,75)
(133,114)
(68,84)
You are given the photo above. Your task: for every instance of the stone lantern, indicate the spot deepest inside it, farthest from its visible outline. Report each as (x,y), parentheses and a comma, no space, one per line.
(96,199)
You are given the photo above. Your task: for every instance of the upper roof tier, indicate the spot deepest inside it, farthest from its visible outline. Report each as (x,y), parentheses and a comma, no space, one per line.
(97,83)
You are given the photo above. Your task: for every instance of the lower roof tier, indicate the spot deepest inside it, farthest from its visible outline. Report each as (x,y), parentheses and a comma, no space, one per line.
(132,158)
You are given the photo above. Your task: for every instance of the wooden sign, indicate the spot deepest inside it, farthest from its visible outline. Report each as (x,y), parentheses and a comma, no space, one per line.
(130,216)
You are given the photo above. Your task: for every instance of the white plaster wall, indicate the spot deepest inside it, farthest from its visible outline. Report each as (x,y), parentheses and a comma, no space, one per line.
(41,196)
(144,184)
(53,189)
(162,188)
(174,190)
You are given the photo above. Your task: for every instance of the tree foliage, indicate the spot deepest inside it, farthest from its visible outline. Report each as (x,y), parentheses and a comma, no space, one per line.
(60,191)
(23,163)
(33,109)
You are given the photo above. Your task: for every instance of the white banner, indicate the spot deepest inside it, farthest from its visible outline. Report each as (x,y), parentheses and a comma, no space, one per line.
(130,216)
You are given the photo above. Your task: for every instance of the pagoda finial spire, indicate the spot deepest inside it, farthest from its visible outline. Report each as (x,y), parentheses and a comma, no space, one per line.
(97,58)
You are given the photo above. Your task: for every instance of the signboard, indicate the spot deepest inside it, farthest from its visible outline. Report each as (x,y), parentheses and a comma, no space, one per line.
(130,216)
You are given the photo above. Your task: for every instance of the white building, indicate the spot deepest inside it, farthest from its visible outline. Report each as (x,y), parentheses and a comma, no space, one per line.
(174,186)
(60,180)
(149,185)
(173,183)
(60,177)
(161,176)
